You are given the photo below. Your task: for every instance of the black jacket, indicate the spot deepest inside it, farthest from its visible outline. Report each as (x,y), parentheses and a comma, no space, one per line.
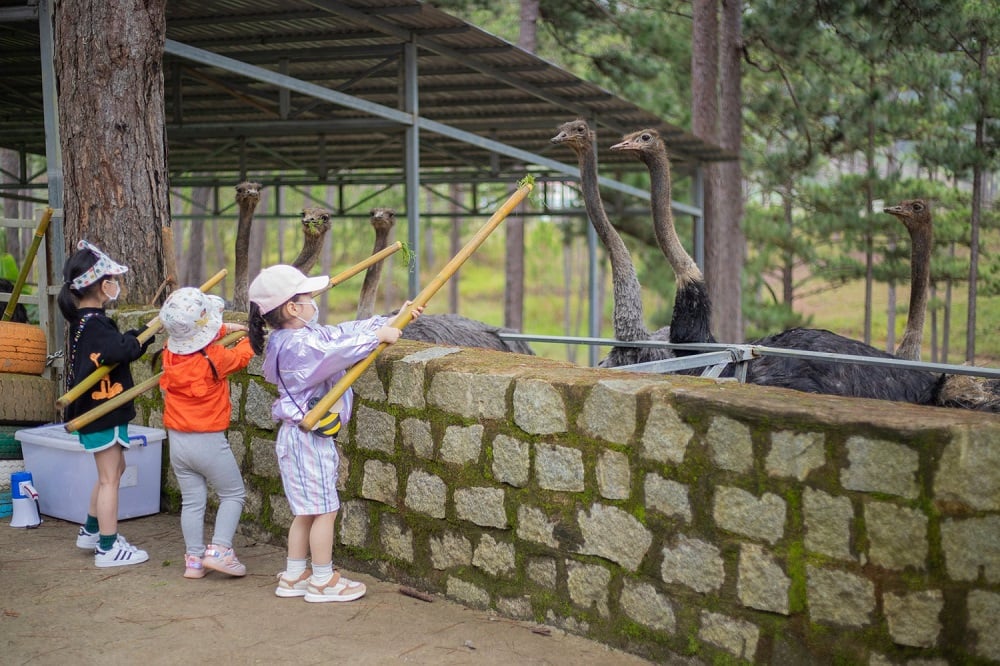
(94,341)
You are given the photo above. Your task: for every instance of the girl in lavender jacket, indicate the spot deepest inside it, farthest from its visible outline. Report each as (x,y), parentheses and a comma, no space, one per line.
(305,360)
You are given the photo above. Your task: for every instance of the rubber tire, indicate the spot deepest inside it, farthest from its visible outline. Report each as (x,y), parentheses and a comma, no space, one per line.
(27,399)
(22,348)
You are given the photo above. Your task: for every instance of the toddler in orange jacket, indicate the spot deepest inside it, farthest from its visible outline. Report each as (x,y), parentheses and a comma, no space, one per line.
(196,414)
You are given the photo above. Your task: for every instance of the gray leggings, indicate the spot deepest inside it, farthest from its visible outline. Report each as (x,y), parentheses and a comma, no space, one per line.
(202,459)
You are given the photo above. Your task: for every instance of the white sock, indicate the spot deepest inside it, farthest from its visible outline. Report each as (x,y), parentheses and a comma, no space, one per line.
(322,573)
(294,568)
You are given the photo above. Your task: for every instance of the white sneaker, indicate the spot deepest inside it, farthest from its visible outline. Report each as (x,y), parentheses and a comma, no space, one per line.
(119,555)
(86,540)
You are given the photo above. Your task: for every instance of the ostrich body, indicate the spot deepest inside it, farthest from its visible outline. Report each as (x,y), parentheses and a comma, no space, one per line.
(628,317)
(315,225)
(692,315)
(247,198)
(444,329)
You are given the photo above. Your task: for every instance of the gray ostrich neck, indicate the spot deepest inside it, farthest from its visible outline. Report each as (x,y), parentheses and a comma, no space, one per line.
(685,269)
(920,262)
(628,310)
(366,301)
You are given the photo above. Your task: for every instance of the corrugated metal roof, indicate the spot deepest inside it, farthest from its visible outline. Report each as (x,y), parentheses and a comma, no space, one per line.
(469,80)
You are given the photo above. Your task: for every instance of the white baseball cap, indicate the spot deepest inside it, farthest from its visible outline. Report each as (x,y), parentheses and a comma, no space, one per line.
(192,319)
(276,285)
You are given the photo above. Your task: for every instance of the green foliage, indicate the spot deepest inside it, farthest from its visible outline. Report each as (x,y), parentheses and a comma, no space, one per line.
(8,267)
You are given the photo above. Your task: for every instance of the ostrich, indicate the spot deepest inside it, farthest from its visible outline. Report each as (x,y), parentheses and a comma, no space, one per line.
(247,197)
(315,225)
(691,319)
(957,391)
(692,315)
(445,329)
(628,311)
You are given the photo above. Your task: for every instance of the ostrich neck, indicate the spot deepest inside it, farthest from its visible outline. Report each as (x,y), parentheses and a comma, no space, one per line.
(685,269)
(920,262)
(366,300)
(312,247)
(628,311)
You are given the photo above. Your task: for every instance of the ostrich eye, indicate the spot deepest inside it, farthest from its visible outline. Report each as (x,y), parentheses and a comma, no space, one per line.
(646,137)
(918,207)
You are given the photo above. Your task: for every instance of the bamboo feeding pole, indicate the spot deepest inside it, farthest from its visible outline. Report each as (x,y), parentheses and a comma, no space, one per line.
(29,259)
(151,328)
(404,316)
(137,390)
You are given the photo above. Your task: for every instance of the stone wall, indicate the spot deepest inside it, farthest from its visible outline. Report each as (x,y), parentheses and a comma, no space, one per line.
(669,516)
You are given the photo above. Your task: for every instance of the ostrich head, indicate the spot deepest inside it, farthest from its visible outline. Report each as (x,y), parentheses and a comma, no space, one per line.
(315,221)
(248,193)
(382,219)
(576,134)
(915,214)
(642,143)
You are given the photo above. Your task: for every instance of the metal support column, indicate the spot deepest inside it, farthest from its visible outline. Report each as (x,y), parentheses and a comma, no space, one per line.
(593,288)
(411,104)
(55,326)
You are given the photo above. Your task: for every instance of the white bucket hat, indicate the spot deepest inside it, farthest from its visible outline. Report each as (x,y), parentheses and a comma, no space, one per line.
(192,319)
(275,285)
(104,265)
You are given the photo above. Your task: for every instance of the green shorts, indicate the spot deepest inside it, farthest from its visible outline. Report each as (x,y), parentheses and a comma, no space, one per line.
(102,439)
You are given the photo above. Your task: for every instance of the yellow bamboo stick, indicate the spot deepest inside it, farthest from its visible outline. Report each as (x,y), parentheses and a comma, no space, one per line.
(405,316)
(29,259)
(151,328)
(137,390)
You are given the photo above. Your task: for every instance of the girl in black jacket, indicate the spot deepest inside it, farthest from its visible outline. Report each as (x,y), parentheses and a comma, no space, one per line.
(90,283)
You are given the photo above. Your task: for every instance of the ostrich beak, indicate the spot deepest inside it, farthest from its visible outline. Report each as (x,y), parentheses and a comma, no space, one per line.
(624,145)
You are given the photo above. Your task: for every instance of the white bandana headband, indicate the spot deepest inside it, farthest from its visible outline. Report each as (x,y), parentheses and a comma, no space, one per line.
(105,265)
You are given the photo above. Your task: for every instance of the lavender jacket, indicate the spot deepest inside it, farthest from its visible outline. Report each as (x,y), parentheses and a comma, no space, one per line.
(312,360)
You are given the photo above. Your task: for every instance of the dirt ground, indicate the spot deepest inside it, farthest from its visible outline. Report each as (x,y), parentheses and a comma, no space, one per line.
(56,607)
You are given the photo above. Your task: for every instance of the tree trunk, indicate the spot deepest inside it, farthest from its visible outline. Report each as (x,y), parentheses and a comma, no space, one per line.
(513,310)
(729,321)
(10,163)
(705,125)
(109,56)
(195,255)
(788,256)
(977,208)
(454,241)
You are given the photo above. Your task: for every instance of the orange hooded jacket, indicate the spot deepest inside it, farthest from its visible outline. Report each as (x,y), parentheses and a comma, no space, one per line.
(195,399)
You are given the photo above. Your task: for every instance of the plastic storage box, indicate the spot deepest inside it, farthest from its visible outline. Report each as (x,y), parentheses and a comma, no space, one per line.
(64,474)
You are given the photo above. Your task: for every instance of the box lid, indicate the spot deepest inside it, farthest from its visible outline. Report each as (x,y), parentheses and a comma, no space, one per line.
(54,436)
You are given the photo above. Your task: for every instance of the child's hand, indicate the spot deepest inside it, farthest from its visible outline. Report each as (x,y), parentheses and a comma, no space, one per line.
(414,312)
(235,327)
(388,334)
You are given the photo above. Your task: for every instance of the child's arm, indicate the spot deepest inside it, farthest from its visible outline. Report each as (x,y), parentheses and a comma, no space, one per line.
(114,346)
(229,360)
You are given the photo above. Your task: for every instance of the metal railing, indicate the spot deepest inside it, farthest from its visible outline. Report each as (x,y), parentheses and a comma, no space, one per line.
(716,356)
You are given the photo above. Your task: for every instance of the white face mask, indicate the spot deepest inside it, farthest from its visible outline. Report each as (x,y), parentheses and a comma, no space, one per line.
(315,314)
(118,290)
